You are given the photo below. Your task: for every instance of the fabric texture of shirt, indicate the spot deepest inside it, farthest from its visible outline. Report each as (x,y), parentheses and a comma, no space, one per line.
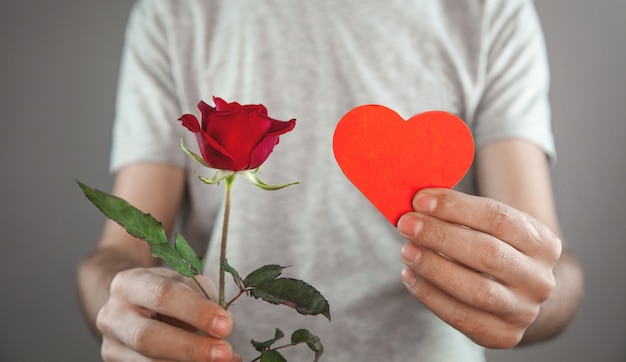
(483,60)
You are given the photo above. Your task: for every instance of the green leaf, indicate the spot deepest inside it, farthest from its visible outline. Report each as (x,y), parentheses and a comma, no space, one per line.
(293,293)
(230,270)
(187,253)
(251,176)
(272,356)
(168,253)
(263,275)
(136,223)
(314,343)
(179,256)
(261,346)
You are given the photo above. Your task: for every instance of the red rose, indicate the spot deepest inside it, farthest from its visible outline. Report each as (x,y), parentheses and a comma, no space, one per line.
(235,137)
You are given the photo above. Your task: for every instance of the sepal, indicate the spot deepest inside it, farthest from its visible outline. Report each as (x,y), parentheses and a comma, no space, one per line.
(220,175)
(193,155)
(251,175)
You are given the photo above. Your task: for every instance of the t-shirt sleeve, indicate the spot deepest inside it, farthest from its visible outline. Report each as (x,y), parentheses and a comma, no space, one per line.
(146,127)
(515,102)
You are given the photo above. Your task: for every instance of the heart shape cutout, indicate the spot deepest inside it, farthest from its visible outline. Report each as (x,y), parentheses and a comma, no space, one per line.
(389,159)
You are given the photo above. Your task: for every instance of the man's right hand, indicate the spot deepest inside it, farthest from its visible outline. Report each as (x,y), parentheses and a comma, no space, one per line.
(155,314)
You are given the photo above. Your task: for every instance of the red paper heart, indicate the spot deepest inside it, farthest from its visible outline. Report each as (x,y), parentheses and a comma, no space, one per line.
(389,159)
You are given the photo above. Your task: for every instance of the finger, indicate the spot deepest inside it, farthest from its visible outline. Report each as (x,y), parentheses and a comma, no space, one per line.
(514,227)
(206,283)
(175,299)
(483,328)
(471,288)
(158,340)
(114,351)
(474,249)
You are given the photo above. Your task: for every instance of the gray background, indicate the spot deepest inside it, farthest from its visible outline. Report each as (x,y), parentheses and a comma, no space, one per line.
(58,73)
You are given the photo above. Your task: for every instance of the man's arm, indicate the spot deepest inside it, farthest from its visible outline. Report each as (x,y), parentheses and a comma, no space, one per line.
(517,173)
(131,304)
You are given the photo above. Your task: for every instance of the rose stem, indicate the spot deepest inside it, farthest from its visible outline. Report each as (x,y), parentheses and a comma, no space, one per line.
(235,298)
(228,188)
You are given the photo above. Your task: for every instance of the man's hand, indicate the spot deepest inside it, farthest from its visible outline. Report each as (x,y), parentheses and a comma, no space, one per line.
(156,314)
(481,266)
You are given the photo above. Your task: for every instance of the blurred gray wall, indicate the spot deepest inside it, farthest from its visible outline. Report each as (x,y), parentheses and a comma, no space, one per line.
(58,73)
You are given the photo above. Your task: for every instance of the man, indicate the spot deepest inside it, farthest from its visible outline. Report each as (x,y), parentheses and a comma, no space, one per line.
(481,271)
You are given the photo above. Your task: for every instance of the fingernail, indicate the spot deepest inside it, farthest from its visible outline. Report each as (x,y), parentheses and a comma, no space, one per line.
(221,326)
(410,253)
(220,352)
(410,225)
(424,203)
(408,277)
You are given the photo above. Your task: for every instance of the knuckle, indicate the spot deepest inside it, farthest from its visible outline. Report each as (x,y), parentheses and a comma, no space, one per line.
(493,256)
(198,352)
(117,283)
(539,237)
(490,297)
(122,282)
(524,316)
(107,317)
(139,338)
(490,332)
(463,322)
(507,340)
(499,217)
(161,292)
(421,289)
(107,350)
(555,248)
(436,235)
(529,316)
(544,288)
(430,267)
(102,320)
(542,241)
(490,336)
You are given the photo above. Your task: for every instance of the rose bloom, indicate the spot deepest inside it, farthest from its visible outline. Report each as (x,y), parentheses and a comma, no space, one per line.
(233,136)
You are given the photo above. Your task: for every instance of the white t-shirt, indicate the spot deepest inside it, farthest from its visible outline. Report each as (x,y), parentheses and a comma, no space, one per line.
(483,60)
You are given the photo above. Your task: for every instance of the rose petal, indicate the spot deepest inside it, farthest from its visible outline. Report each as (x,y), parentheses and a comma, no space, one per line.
(280,127)
(190,122)
(239,132)
(213,157)
(209,142)
(206,111)
(223,106)
(255,108)
(262,151)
